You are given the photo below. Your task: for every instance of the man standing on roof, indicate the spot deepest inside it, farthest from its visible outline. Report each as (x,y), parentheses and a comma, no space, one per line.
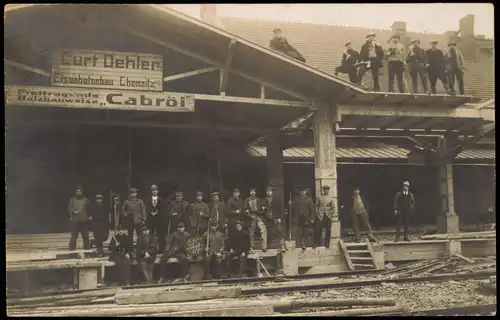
(396,63)
(348,65)
(436,67)
(404,208)
(79,213)
(371,56)
(281,44)
(455,67)
(417,61)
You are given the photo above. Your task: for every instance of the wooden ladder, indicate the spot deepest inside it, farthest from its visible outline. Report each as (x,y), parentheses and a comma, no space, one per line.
(359,256)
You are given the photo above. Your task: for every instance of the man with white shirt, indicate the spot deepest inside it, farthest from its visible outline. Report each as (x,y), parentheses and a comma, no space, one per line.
(404,208)
(396,63)
(371,56)
(156,222)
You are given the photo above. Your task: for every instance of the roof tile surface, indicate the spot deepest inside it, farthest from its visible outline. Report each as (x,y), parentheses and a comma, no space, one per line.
(323,45)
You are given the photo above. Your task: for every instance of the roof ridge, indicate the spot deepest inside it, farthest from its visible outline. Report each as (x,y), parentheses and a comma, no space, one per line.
(326,25)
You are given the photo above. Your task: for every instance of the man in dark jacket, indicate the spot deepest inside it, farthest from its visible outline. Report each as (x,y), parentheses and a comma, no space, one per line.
(404,208)
(254,215)
(238,246)
(218,212)
(281,44)
(396,63)
(417,61)
(200,215)
(273,214)
(324,213)
(100,223)
(302,217)
(134,214)
(176,248)
(155,211)
(79,213)
(213,240)
(371,56)
(455,65)
(146,250)
(436,67)
(359,213)
(177,211)
(234,209)
(121,248)
(348,65)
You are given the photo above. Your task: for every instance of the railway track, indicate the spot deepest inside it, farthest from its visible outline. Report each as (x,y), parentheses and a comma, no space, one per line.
(454,311)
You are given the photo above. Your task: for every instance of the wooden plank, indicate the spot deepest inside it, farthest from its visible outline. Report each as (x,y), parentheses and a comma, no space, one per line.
(27,68)
(124,298)
(189,74)
(229,312)
(346,255)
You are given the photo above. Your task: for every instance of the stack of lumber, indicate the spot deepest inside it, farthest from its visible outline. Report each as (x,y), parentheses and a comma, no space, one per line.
(463,235)
(188,300)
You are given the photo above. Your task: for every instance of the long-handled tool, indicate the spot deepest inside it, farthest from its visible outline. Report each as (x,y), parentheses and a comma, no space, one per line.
(259,274)
(290,218)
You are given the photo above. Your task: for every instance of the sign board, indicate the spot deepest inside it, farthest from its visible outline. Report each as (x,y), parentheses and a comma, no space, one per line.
(107,70)
(98,99)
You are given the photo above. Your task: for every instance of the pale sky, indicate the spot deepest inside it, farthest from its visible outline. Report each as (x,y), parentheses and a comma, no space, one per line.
(429,18)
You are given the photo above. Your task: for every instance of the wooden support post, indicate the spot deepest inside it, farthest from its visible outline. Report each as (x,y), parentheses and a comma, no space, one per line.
(447,221)
(129,177)
(274,164)
(325,161)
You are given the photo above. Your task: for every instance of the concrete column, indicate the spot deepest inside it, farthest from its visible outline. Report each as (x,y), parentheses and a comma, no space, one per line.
(447,221)
(325,161)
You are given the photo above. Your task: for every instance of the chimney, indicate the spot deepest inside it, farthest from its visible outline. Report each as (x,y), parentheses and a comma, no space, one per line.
(466,26)
(208,14)
(399,27)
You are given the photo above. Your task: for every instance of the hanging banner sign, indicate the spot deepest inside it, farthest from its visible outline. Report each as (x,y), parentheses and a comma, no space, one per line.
(107,70)
(98,99)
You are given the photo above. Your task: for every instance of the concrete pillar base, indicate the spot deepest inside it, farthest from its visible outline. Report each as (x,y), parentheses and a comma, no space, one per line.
(378,256)
(335,233)
(453,247)
(88,278)
(448,223)
(290,262)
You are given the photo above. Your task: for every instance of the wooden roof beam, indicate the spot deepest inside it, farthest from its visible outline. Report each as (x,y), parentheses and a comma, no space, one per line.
(413,111)
(478,135)
(27,68)
(210,61)
(227,66)
(189,74)
(272,102)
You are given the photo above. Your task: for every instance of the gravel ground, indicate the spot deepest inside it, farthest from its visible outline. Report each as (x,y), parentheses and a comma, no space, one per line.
(415,296)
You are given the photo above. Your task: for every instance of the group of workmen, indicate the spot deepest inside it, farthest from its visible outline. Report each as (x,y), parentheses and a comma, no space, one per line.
(224,230)
(447,67)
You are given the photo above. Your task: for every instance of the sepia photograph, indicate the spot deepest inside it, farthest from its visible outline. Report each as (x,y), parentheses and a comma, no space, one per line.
(245,160)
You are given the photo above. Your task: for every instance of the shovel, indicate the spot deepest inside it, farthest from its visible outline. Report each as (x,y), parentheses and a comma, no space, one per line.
(259,274)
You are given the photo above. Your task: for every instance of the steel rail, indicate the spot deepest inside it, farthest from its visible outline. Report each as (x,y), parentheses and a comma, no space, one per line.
(483,309)
(364,283)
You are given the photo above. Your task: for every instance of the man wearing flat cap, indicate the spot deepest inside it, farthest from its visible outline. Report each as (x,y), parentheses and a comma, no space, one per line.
(218,212)
(146,251)
(281,44)
(254,216)
(396,63)
(273,215)
(176,248)
(404,208)
(324,212)
(238,246)
(359,214)
(79,214)
(177,211)
(213,241)
(234,209)
(134,214)
(100,223)
(155,209)
(303,215)
(199,215)
(417,62)
(371,56)
(455,65)
(348,65)
(436,67)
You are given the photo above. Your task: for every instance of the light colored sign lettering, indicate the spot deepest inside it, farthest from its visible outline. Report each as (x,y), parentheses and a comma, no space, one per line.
(107,70)
(98,99)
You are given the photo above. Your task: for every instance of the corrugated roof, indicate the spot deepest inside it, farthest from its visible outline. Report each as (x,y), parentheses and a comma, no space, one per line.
(323,45)
(368,153)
